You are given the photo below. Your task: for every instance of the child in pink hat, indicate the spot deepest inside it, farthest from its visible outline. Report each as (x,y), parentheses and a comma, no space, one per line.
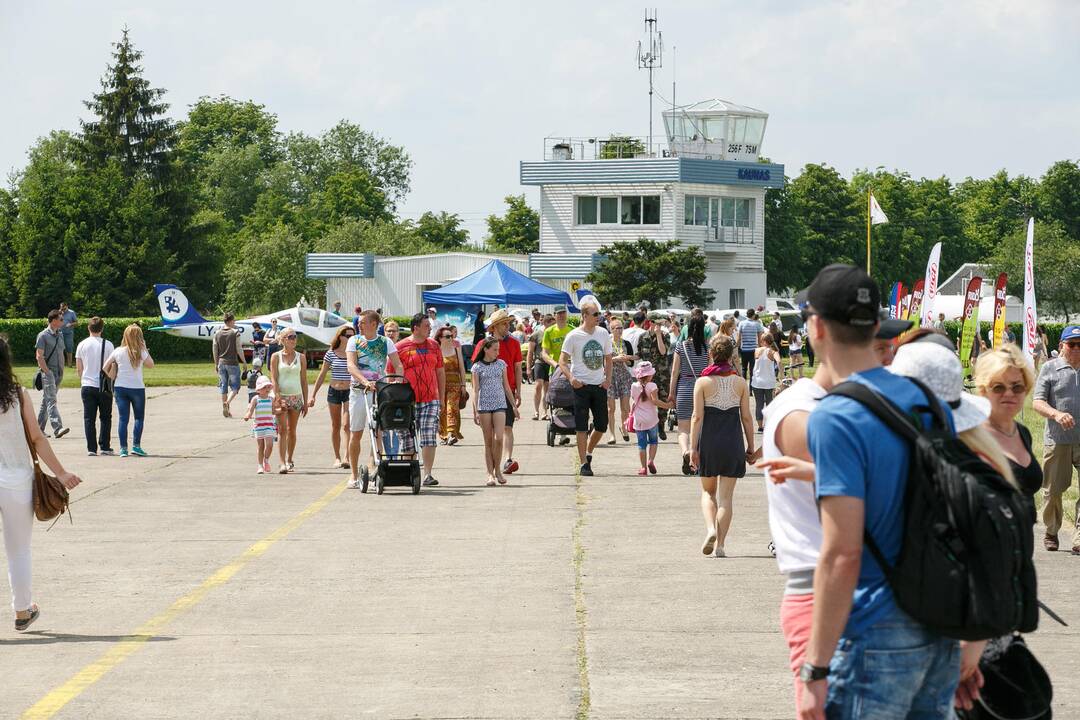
(644,418)
(264,426)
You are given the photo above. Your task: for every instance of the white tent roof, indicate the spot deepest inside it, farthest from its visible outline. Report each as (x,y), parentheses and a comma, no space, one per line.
(715,106)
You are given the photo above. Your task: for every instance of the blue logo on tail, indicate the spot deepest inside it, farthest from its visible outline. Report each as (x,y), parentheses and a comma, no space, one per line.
(175,308)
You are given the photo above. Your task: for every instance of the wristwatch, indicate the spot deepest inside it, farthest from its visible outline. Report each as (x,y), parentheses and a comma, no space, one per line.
(809,673)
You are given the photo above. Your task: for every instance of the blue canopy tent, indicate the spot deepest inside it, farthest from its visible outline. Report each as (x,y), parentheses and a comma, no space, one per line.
(496,283)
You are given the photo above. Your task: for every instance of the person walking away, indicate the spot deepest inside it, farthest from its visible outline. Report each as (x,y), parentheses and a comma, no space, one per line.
(622,358)
(539,369)
(228,356)
(554,335)
(17,429)
(264,427)
(1041,345)
(654,347)
(690,358)
(1057,398)
(510,353)
(89,362)
(749,333)
(49,353)
(67,329)
(369,356)
(289,375)
(861,477)
(585,359)
(479,330)
(336,363)
(646,418)
(721,408)
(453,364)
(492,400)
(795,358)
(125,366)
(422,361)
(763,378)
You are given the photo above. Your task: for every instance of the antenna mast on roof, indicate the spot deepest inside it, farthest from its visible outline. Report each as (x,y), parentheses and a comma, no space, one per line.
(650,56)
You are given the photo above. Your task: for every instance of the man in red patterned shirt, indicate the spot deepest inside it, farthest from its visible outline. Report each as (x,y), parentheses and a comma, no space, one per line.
(422,361)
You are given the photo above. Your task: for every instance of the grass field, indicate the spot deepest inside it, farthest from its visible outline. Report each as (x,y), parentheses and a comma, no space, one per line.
(163,374)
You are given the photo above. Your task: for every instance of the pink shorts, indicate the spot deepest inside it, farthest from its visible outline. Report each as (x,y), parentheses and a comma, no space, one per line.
(796,619)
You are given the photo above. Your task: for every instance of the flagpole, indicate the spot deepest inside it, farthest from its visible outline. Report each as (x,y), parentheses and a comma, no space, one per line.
(868,195)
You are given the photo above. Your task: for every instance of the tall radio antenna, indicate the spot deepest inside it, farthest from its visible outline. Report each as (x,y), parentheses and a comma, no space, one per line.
(650,56)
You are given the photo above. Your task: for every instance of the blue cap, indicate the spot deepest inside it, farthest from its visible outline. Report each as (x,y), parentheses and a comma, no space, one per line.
(1071,332)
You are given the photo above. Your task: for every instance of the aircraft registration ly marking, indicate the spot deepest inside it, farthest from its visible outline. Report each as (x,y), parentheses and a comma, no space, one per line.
(60,696)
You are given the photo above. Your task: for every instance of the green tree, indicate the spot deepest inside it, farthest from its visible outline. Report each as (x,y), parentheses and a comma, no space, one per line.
(382,237)
(784,242)
(348,194)
(9,213)
(1059,197)
(992,208)
(518,231)
(268,272)
(831,215)
(651,271)
(1057,266)
(621,146)
(130,126)
(443,230)
(217,123)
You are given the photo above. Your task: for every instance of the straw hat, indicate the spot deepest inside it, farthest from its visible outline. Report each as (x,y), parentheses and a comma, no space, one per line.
(497,317)
(938,368)
(644,369)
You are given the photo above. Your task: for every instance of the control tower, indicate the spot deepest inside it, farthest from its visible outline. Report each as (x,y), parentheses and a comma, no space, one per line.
(715,130)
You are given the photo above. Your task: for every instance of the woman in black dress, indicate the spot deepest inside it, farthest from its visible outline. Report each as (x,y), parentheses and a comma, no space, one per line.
(721,420)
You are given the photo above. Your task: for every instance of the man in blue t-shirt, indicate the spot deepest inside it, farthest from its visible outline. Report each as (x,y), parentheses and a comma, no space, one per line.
(749,333)
(865,656)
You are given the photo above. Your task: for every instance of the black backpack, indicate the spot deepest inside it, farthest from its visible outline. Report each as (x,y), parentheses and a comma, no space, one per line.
(965,569)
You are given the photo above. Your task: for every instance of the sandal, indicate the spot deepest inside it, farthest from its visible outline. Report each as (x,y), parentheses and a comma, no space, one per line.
(490,482)
(23,623)
(502,481)
(452,441)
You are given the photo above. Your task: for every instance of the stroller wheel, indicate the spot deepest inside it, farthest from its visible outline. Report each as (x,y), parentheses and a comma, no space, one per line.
(380,484)
(551,436)
(365,478)
(416,481)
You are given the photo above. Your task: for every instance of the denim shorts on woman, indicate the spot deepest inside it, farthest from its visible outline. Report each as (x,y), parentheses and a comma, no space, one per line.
(337,397)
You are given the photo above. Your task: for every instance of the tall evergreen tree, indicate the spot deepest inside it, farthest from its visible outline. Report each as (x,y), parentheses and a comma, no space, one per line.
(129,126)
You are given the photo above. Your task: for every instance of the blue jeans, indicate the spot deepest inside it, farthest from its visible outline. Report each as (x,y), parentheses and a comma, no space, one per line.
(228,378)
(126,400)
(897,669)
(648,437)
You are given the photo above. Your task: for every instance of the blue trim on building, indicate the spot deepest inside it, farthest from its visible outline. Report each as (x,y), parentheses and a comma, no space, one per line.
(658,170)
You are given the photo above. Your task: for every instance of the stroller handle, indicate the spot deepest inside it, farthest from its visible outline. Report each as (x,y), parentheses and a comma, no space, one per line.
(392,379)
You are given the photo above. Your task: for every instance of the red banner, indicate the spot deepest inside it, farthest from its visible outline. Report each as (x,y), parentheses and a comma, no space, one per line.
(916,303)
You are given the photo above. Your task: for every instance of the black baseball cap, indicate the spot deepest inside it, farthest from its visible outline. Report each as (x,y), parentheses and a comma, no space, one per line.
(843,294)
(891,328)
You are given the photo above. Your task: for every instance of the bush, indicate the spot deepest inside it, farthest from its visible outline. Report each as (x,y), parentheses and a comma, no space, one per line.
(1053,331)
(22,333)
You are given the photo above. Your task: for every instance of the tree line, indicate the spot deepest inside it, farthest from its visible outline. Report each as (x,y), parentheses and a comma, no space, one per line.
(222,203)
(819,218)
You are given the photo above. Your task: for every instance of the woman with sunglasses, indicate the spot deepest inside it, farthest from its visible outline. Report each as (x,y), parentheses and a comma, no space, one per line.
(453,364)
(336,363)
(288,371)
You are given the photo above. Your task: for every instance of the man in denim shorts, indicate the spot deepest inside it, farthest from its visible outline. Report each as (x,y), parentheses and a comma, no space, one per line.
(228,356)
(422,361)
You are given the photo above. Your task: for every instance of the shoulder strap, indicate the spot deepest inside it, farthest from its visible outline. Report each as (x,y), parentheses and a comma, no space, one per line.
(26,430)
(102,366)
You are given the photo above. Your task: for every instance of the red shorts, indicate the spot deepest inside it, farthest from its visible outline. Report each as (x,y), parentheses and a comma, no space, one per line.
(796,619)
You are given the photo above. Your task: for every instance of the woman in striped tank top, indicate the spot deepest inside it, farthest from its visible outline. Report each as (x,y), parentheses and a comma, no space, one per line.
(336,363)
(264,427)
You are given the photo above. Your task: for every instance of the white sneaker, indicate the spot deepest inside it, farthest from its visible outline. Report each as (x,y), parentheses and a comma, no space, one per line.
(719,551)
(260,471)
(353,484)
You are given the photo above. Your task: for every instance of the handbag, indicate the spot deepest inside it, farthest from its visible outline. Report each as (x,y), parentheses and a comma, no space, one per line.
(628,423)
(1016,686)
(463,399)
(106,382)
(51,499)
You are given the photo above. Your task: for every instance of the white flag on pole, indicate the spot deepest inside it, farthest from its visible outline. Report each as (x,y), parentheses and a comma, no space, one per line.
(877,215)
(1030,333)
(930,287)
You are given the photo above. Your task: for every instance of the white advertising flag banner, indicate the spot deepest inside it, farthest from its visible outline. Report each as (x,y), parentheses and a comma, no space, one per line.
(877,215)
(930,289)
(1029,292)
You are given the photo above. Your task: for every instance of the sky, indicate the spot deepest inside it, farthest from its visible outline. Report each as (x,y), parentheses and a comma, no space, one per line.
(960,88)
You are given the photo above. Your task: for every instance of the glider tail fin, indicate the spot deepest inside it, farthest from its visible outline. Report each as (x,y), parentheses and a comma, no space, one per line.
(175,307)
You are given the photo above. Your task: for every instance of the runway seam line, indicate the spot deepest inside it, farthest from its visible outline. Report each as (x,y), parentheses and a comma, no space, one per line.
(580,611)
(60,696)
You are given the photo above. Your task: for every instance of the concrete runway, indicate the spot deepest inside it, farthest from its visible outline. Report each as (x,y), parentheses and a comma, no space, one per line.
(189,586)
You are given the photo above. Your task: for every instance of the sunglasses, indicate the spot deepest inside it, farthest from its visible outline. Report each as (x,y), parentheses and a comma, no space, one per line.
(593,314)
(1002,388)
(1073,345)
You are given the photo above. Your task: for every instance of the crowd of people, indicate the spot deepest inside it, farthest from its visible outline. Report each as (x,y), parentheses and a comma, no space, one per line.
(835,474)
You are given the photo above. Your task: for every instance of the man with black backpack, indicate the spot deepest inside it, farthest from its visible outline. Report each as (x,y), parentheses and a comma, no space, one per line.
(865,655)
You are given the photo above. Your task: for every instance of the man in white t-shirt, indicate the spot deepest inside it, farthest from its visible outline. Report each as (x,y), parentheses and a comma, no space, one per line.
(586,360)
(89,358)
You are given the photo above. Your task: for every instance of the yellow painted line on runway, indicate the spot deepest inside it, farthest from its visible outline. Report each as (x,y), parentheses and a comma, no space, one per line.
(52,703)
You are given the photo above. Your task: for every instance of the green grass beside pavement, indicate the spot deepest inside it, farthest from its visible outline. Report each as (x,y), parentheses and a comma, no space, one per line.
(163,374)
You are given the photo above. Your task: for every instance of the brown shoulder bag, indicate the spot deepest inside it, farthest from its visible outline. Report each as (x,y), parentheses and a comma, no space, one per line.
(50,495)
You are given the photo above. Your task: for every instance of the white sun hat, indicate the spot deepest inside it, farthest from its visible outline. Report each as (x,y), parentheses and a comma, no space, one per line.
(939,369)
